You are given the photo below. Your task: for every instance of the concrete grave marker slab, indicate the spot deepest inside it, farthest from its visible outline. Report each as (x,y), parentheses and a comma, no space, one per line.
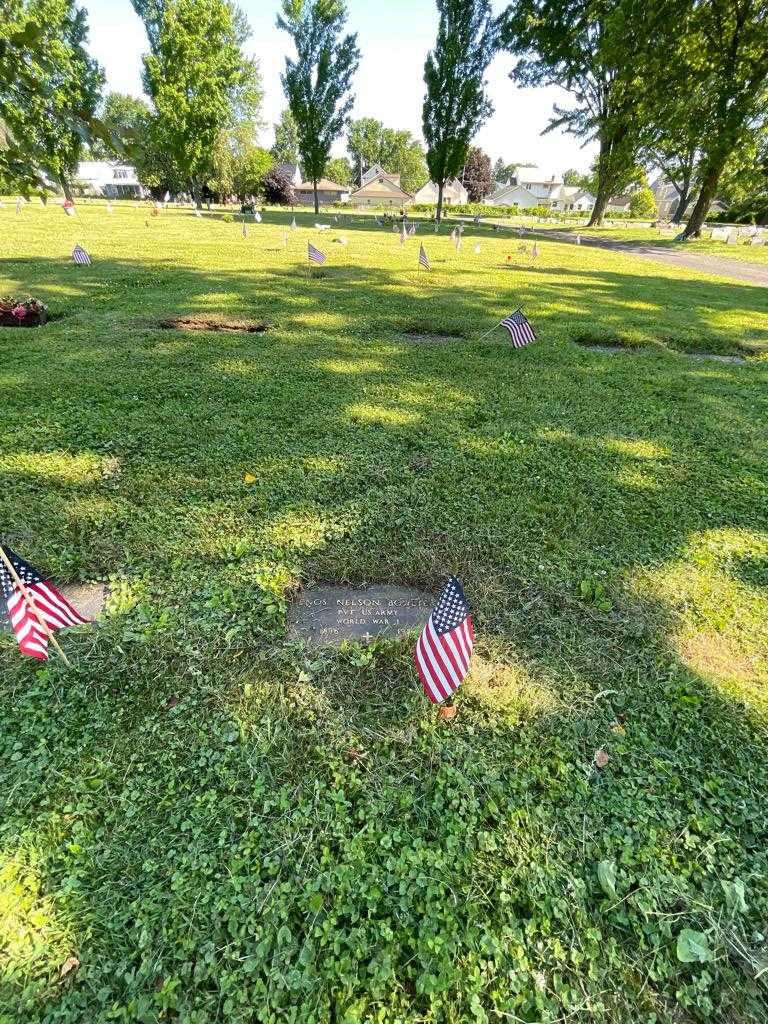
(88,598)
(331,615)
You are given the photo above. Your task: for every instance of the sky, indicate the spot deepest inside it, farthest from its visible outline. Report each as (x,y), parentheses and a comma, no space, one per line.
(394,37)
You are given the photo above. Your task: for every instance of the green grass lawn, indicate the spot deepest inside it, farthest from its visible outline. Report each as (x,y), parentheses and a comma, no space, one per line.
(224,826)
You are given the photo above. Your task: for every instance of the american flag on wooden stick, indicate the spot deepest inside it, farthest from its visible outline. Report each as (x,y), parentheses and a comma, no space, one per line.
(444,649)
(403,235)
(80,256)
(41,601)
(423,258)
(315,256)
(520,330)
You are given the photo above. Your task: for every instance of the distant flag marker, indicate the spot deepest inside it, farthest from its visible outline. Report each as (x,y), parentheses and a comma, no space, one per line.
(81,257)
(110,208)
(257,217)
(403,236)
(444,649)
(19,205)
(315,256)
(578,239)
(477,249)
(198,213)
(424,259)
(535,251)
(293,224)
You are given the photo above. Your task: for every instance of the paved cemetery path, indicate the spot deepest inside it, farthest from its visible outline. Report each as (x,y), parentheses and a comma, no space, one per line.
(754,273)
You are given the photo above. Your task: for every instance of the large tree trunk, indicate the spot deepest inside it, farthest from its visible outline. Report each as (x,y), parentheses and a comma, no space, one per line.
(439,211)
(317,201)
(683,203)
(709,183)
(197,194)
(66,189)
(598,210)
(603,196)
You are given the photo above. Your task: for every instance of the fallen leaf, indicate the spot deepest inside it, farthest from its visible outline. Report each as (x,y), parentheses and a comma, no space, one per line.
(617,727)
(601,758)
(693,947)
(69,965)
(606,876)
(171,703)
(355,755)
(249,478)
(447,712)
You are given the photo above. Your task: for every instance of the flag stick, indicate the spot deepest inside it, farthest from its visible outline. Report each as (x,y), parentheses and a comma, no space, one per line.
(31,602)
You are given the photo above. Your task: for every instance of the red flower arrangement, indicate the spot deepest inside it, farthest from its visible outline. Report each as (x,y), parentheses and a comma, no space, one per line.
(22,313)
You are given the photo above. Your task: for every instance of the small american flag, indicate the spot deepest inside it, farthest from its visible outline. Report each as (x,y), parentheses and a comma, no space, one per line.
(520,330)
(245,230)
(424,259)
(412,232)
(403,235)
(444,649)
(257,217)
(315,256)
(535,251)
(51,606)
(578,239)
(80,256)
(293,224)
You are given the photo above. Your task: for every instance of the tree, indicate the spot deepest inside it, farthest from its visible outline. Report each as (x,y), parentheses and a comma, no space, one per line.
(317,83)
(596,50)
(278,188)
(286,147)
(125,118)
(250,170)
(455,105)
(643,203)
(498,170)
(370,142)
(577,178)
(476,176)
(340,171)
(197,78)
(51,88)
(725,66)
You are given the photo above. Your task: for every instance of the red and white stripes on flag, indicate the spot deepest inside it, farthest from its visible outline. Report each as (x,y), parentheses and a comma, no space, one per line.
(80,256)
(49,604)
(520,329)
(423,258)
(444,649)
(315,256)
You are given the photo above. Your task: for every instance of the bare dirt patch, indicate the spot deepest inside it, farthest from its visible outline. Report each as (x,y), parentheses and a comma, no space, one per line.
(212,323)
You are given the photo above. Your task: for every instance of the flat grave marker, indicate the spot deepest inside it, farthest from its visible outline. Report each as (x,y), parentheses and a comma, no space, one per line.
(333,614)
(88,598)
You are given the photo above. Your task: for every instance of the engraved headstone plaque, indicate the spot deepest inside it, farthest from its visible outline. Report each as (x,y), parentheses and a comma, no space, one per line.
(331,615)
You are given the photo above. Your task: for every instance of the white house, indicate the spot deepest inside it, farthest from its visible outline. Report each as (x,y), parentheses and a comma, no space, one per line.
(104,178)
(516,196)
(454,193)
(374,171)
(531,187)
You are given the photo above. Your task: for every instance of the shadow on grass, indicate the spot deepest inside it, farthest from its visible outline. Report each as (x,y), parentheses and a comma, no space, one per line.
(207,852)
